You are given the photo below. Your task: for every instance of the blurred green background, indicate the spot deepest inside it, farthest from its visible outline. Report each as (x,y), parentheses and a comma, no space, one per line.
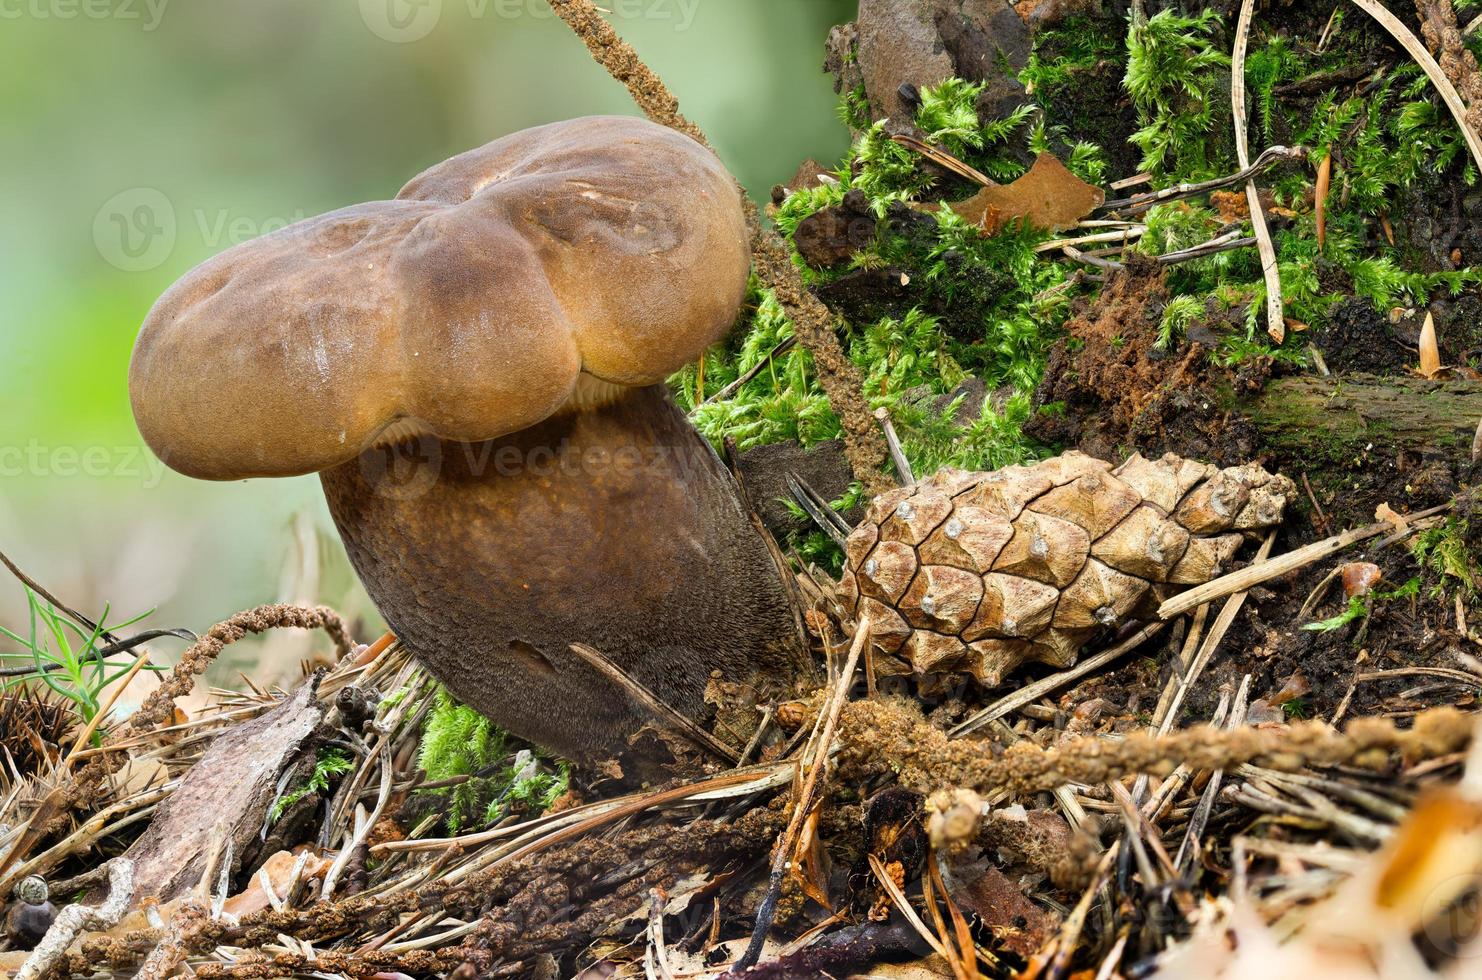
(142,136)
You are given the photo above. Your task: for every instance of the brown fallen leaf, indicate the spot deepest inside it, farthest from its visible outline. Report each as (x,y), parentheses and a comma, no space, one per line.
(807,864)
(1324,180)
(1384,512)
(1294,687)
(278,869)
(1016,922)
(1430,351)
(1048,197)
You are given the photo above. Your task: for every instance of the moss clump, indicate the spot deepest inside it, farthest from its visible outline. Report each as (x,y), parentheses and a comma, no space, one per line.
(1174,73)
(459,742)
(971,307)
(1447,558)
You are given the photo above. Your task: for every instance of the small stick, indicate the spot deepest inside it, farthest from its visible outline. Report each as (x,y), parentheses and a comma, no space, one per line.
(1275,318)
(1318,361)
(1269,157)
(897,451)
(767,911)
(1265,571)
(98,716)
(1160,803)
(1217,631)
(817,508)
(37,588)
(1188,850)
(1224,243)
(651,701)
(1070,933)
(1322,518)
(1136,180)
(1076,255)
(944,159)
(1132,231)
(363,826)
(783,347)
(1032,692)
(76,918)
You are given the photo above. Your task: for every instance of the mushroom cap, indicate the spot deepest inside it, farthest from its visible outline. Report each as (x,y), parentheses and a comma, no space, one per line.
(606,248)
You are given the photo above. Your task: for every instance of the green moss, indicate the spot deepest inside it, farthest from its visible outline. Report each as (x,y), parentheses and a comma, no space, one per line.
(459,742)
(1174,73)
(328,763)
(1442,551)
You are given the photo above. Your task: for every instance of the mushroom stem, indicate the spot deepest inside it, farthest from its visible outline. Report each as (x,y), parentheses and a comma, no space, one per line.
(613,525)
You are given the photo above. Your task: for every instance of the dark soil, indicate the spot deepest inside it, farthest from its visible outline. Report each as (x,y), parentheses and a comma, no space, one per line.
(1096,108)
(1360,338)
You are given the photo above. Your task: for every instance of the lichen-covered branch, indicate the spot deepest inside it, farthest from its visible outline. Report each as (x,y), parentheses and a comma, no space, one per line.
(890,735)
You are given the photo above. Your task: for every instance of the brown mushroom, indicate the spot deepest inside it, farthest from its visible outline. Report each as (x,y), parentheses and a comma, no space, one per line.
(475,369)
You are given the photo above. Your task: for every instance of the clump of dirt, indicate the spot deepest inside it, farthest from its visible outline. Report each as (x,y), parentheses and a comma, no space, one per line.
(1109,389)
(1357,337)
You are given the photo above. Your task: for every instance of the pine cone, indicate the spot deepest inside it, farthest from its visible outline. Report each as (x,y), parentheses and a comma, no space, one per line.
(980,572)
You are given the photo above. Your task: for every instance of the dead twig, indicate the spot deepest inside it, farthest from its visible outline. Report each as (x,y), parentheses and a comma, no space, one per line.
(802,804)
(897,451)
(75,918)
(822,513)
(1275,319)
(782,347)
(1265,571)
(1269,157)
(1033,692)
(1224,243)
(665,713)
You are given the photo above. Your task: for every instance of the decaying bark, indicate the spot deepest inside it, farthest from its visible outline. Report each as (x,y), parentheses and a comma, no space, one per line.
(231,788)
(1345,414)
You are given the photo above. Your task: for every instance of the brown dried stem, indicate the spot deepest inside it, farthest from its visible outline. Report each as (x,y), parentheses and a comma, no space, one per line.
(890,735)
(1438,27)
